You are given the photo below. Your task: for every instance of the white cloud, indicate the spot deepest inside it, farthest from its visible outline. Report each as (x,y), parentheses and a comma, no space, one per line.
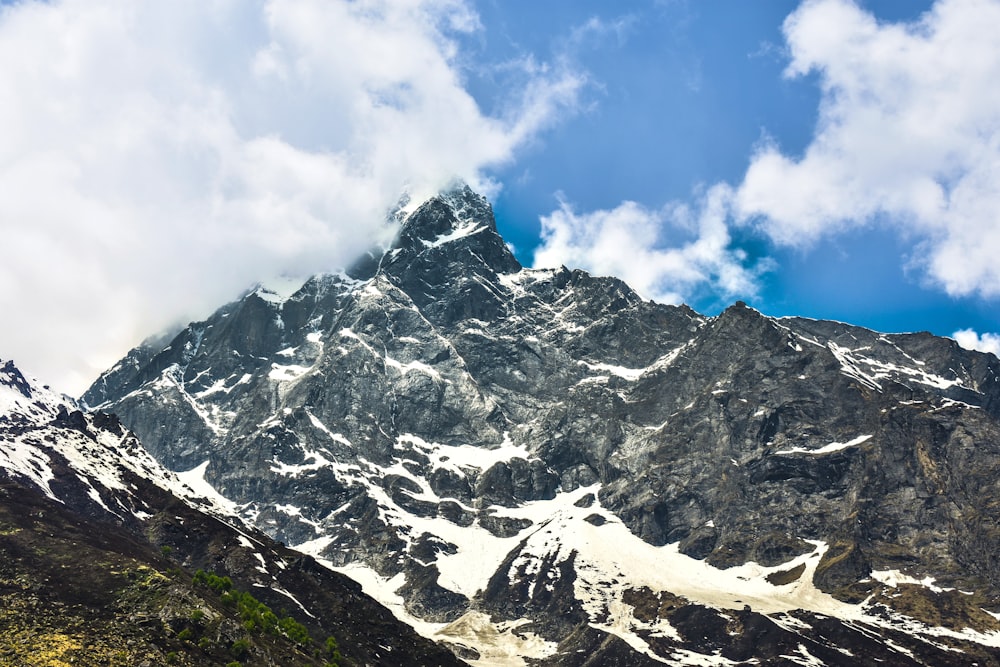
(970,340)
(908,135)
(631,242)
(156,158)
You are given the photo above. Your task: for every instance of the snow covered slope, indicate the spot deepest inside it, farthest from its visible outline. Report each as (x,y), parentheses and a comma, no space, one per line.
(539,465)
(74,485)
(47,441)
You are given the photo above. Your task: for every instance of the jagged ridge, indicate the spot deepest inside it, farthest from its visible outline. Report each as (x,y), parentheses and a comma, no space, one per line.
(488,447)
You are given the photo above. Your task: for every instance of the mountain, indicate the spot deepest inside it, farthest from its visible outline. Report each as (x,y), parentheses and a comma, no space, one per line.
(540,467)
(100,549)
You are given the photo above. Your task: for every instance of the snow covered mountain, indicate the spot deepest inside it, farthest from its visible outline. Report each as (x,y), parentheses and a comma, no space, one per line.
(539,466)
(99,542)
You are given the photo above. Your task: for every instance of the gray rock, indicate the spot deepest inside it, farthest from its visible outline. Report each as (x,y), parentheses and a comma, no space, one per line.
(370,403)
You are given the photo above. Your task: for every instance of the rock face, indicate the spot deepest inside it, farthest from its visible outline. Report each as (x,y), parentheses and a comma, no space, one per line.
(540,464)
(98,545)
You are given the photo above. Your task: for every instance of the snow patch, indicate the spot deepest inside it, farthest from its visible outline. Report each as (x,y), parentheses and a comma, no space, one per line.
(287,373)
(894,578)
(803,657)
(292,470)
(336,437)
(417,366)
(827,449)
(458,457)
(465,228)
(620,371)
(278,290)
(871,372)
(194,480)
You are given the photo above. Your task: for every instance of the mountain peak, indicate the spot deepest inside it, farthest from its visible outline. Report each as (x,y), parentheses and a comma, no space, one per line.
(479,436)
(454,228)
(448,216)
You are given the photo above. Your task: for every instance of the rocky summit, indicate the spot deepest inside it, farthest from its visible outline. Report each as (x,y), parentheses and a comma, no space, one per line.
(539,467)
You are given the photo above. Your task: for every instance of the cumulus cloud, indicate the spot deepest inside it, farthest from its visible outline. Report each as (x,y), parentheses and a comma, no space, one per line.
(157,158)
(667,255)
(908,135)
(970,340)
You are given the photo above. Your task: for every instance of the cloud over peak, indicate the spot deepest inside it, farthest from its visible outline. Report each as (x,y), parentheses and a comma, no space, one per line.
(159,157)
(666,255)
(970,340)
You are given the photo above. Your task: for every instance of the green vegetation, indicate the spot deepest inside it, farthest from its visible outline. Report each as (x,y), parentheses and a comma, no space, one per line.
(213,581)
(71,598)
(332,653)
(257,617)
(240,648)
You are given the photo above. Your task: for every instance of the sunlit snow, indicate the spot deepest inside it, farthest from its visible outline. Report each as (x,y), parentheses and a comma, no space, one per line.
(827,449)
(467,228)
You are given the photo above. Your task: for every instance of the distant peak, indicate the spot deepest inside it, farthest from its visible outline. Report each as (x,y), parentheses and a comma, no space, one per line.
(11,377)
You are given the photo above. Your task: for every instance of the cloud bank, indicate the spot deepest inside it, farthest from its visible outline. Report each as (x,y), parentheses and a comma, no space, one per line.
(908,136)
(641,247)
(157,158)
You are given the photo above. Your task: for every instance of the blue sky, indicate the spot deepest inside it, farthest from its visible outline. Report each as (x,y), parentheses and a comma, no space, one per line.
(826,158)
(681,94)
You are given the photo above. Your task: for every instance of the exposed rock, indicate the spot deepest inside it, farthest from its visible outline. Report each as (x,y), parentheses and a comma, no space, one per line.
(439,411)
